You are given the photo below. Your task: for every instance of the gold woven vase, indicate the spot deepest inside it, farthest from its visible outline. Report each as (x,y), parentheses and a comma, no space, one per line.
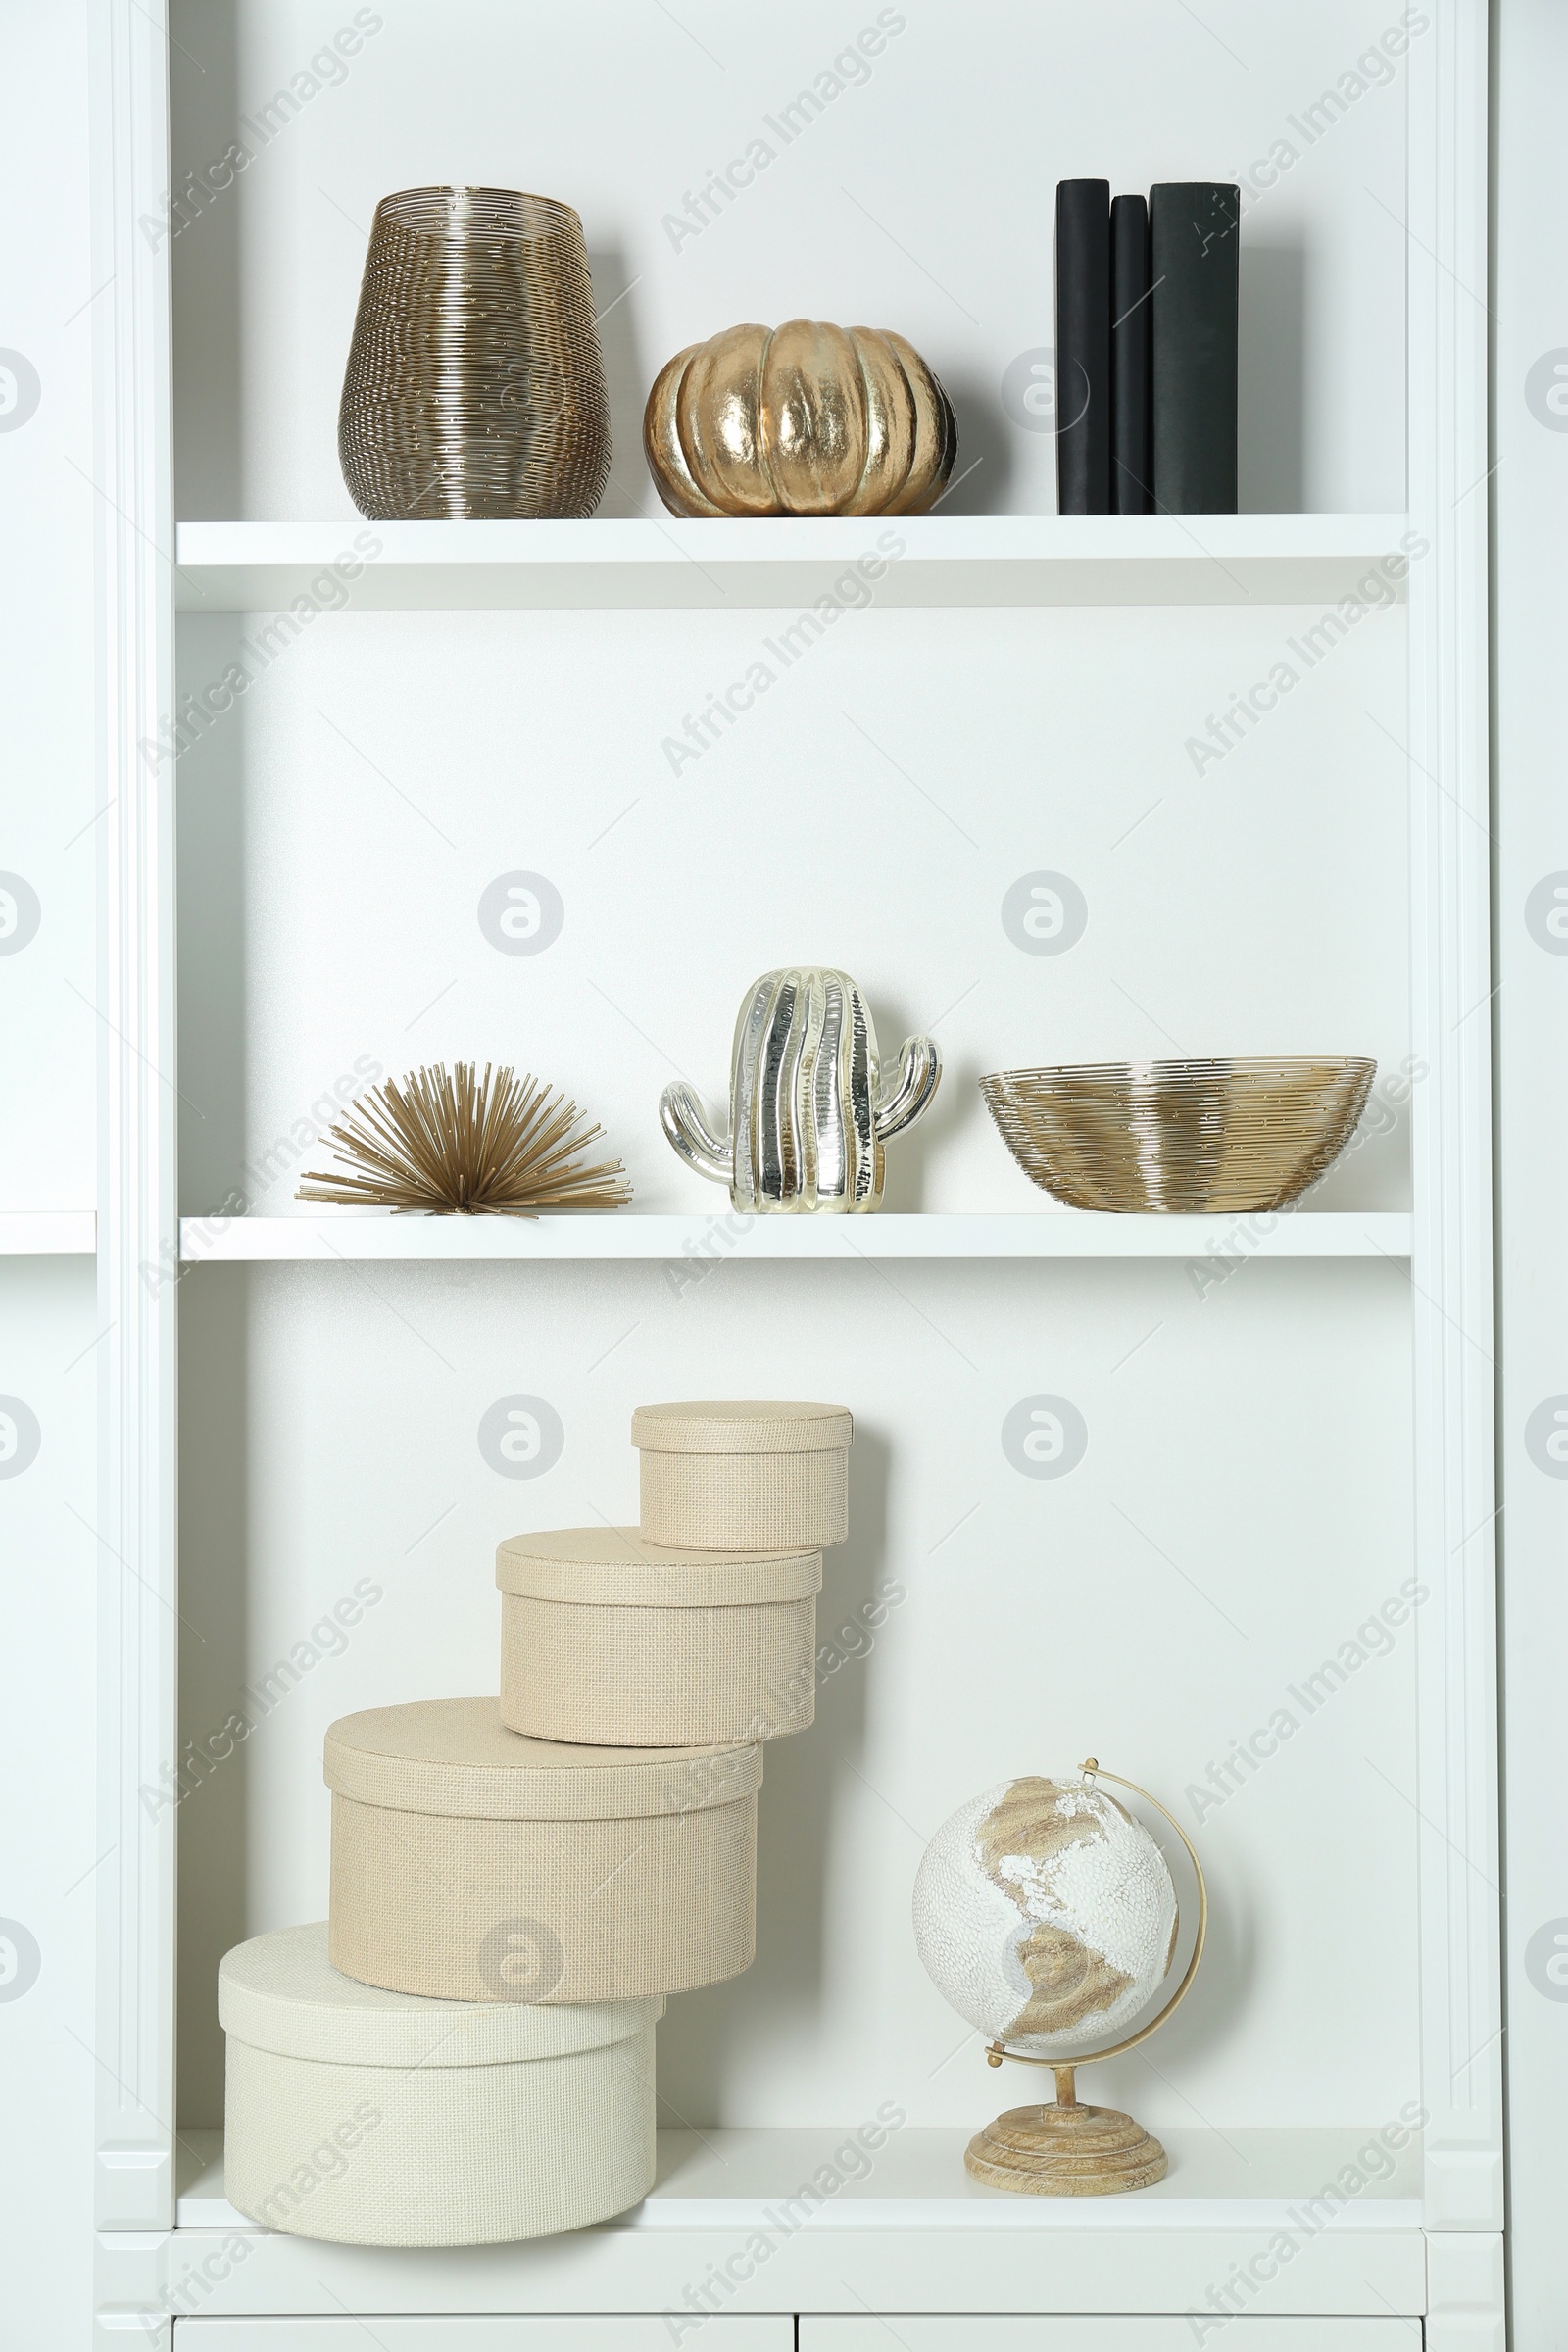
(475,385)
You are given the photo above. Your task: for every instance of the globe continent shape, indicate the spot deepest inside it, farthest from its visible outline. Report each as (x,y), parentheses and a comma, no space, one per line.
(1046,1915)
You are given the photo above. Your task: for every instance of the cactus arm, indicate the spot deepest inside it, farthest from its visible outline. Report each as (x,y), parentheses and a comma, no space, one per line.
(681,1117)
(906,1096)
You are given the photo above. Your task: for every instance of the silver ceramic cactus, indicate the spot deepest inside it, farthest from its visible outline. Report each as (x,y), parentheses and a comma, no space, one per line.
(810,1104)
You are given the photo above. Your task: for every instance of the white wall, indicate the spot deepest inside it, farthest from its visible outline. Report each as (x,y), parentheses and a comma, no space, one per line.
(48,840)
(1531,512)
(48,1047)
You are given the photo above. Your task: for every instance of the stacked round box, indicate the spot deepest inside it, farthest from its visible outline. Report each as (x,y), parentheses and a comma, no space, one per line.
(473,1864)
(744,1477)
(606,1637)
(377,2118)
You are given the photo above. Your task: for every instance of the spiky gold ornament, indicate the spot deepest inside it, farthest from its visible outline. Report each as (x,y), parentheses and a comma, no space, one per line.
(449,1143)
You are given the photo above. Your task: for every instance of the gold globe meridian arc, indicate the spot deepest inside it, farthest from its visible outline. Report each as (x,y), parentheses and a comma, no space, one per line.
(996,2051)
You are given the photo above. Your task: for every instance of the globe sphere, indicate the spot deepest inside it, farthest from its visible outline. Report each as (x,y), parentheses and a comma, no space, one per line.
(1045,1914)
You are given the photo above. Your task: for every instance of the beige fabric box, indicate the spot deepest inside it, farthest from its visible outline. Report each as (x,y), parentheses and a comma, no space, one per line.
(607,1636)
(473,1864)
(377,2120)
(750,1477)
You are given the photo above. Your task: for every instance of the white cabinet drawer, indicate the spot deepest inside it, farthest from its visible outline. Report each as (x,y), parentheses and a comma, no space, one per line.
(614,2331)
(988,2333)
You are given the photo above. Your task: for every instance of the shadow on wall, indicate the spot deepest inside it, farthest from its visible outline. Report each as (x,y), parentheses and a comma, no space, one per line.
(911,1156)
(629,379)
(982,476)
(1374,1171)
(209,738)
(1222,1992)
(205,260)
(704,2039)
(214,1517)
(1271,366)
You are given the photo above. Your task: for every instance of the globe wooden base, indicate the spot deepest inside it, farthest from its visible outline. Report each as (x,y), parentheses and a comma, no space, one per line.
(1066,2151)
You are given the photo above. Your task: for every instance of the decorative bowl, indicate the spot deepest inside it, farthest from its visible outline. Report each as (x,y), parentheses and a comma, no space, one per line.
(1196,1136)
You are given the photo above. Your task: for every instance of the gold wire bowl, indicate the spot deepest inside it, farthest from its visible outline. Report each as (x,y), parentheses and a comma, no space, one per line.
(475,384)
(1194,1136)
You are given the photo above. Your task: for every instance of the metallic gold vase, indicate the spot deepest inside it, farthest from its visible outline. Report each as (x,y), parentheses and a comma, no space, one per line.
(811,1103)
(475,383)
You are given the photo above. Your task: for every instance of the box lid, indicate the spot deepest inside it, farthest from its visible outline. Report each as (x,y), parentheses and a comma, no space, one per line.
(281,1992)
(605,1565)
(454,1756)
(742,1428)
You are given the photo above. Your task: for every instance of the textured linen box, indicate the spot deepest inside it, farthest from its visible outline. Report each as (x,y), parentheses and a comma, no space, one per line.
(748,1477)
(377,2120)
(473,1864)
(608,1638)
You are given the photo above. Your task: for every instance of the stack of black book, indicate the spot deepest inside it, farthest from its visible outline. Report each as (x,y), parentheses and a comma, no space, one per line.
(1146,349)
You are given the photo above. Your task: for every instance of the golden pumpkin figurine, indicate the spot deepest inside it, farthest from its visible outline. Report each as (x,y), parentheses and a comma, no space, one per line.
(804,419)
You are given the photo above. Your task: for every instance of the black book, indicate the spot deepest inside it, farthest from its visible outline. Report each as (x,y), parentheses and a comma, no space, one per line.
(1131,474)
(1083,347)
(1194,236)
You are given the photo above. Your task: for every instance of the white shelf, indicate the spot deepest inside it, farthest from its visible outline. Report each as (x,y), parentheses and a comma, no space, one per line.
(727,2178)
(915,2233)
(650,562)
(48,1233)
(1062,1234)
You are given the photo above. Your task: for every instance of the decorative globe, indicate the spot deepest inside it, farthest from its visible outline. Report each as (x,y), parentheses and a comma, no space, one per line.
(1046,1915)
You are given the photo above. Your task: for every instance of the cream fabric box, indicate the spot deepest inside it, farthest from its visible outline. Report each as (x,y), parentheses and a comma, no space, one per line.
(473,1864)
(607,1636)
(377,2120)
(749,1477)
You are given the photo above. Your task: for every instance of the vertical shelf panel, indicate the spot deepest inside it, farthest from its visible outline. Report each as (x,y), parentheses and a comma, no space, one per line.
(138,1566)
(1450,994)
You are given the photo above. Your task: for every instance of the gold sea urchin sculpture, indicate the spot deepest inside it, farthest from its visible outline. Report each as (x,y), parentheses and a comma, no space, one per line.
(449,1143)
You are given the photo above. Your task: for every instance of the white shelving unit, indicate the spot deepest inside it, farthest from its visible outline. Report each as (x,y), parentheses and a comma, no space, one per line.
(1274,1447)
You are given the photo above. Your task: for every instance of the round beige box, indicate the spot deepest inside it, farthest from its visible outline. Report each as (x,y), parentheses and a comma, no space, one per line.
(375,2120)
(607,1636)
(473,1864)
(753,1477)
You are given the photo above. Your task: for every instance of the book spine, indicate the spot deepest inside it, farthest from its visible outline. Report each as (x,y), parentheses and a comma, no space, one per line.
(1131,474)
(1083,347)
(1194,236)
